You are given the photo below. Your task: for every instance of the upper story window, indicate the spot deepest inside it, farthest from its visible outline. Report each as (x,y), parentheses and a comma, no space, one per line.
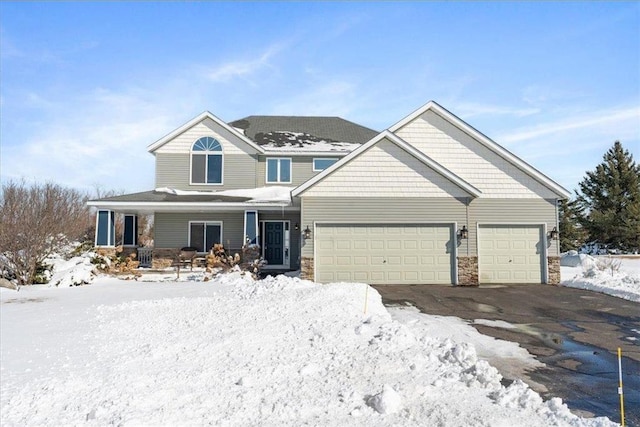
(206,161)
(322,164)
(278,171)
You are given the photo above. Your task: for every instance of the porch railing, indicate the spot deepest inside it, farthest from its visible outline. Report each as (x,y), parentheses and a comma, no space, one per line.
(144,256)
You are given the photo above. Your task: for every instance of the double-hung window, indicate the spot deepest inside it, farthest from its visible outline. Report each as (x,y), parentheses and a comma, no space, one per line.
(278,170)
(206,161)
(203,235)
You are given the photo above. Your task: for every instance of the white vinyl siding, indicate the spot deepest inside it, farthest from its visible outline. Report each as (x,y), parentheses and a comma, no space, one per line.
(385,170)
(511,253)
(469,159)
(173,171)
(385,253)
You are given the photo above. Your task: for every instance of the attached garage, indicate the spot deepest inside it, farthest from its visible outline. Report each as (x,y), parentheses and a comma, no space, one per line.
(385,253)
(511,254)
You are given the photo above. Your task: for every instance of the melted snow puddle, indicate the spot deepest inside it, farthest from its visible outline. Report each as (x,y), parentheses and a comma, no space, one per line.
(586,377)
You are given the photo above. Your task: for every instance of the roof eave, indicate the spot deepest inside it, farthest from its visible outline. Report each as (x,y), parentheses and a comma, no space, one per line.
(189,206)
(487,142)
(199,118)
(467,187)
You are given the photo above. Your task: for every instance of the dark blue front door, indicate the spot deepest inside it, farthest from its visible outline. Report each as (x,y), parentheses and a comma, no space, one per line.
(274,243)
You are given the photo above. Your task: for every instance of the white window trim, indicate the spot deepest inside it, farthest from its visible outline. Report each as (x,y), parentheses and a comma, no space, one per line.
(207,153)
(110,223)
(335,160)
(205,223)
(278,181)
(257,224)
(135,227)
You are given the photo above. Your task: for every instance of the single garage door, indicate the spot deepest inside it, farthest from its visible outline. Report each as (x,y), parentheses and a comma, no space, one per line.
(510,253)
(384,254)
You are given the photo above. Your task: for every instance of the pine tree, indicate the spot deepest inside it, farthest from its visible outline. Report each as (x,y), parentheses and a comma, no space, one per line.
(572,234)
(609,199)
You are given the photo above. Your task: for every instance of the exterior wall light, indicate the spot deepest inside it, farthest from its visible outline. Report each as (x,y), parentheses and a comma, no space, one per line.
(297,227)
(307,233)
(463,233)
(553,234)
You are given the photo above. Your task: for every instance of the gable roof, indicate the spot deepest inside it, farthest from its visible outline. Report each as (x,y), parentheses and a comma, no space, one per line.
(437,167)
(485,141)
(304,133)
(202,116)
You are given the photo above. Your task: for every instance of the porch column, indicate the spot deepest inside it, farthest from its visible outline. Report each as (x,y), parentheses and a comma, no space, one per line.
(105,228)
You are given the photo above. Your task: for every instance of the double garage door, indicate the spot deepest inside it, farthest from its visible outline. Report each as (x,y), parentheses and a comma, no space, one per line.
(385,253)
(424,254)
(511,254)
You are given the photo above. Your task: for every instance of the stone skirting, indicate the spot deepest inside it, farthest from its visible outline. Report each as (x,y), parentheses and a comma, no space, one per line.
(468,271)
(306,268)
(108,252)
(553,263)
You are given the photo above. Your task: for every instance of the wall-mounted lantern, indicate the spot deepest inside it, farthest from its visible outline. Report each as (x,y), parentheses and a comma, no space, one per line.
(297,227)
(307,233)
(463,233)
(553,234)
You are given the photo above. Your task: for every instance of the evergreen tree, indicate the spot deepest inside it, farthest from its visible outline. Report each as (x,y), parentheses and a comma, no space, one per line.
(572,234)
(609,200)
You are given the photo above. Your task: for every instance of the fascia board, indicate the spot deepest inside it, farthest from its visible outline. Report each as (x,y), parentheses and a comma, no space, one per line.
(204,115)
(186,206)
(412,116)
(306,153)
(487,142)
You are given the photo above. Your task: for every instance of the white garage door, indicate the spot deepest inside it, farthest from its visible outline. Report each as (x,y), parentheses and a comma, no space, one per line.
(384,254)
(510,254)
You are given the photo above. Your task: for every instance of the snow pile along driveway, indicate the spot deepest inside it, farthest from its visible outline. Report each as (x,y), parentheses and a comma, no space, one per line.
(234,351)
(592,273)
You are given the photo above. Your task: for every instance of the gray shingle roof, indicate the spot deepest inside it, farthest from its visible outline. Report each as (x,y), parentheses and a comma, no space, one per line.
(279,131)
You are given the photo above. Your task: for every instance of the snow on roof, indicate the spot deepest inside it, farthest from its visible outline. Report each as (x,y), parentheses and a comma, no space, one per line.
(304,133)
(300,141)
(262,194)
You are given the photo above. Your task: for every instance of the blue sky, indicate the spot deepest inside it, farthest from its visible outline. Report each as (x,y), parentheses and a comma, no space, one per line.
(85,87)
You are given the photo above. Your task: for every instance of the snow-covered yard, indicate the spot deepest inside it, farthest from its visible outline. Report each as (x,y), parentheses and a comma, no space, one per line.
(234,351)
(615,276)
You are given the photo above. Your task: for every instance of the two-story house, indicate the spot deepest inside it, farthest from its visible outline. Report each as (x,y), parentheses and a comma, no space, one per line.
(429,200)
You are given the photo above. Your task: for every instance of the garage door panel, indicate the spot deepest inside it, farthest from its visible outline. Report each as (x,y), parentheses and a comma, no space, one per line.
(385,254)
(510,254)
(360,244)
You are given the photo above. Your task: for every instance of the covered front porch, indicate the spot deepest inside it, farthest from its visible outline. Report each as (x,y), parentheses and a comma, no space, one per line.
(200,221)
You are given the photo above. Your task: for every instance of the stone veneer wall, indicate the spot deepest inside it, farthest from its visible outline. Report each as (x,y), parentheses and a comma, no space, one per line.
(468,271)
(553,263)
(106,251)
(306,268)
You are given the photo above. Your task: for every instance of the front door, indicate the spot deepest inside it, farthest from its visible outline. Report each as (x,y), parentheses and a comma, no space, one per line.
(275,245)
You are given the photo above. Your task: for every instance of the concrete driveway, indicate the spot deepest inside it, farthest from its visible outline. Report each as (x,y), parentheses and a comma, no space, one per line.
(575,332)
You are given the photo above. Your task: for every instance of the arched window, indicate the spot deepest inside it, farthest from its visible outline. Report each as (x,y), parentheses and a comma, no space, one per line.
(206,161)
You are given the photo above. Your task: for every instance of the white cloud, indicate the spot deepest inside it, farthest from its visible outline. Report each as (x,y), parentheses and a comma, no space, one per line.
(470,109)
(235,69)
(624,120)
